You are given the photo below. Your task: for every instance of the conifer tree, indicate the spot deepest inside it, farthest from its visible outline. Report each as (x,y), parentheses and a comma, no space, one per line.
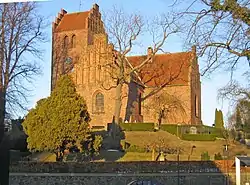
(216,117)
(59,120)
(219,122)
(238,120)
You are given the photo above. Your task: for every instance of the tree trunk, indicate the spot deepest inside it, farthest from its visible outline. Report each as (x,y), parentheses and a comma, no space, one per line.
(2,113)
(4,160)
(59,156)
(118,106)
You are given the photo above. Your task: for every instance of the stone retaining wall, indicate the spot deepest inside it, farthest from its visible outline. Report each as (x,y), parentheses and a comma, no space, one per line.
(114,179)
(120,173)
(122,167)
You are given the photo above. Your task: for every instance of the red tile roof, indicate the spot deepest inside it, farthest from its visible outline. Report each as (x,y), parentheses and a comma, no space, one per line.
(166,69)
(73,21)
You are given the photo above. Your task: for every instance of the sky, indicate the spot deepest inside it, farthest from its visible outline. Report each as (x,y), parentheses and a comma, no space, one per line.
(146,8)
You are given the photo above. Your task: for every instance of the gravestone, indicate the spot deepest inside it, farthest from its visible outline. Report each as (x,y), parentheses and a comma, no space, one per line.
(193,130)
(247,141)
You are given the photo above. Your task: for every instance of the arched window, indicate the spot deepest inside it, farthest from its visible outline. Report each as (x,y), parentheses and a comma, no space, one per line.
(66,42)
(73,41)
(196,106)
(99,103)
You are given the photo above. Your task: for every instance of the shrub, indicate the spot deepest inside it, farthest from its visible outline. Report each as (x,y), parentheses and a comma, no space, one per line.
(97,143)
(199,137)
(137,126)
(205,156)
(247,136)
(201,130)
(218,156)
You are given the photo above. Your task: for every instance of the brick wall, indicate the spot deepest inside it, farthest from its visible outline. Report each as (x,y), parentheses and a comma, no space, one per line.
(182,93)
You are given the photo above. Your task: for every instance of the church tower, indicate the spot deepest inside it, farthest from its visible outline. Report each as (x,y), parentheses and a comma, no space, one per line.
(79,46)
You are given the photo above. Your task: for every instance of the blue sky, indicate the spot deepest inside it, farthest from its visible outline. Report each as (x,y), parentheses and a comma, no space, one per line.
(145,8)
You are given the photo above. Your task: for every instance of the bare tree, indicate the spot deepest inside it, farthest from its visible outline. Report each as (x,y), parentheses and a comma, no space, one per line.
(220,30)
(234,92)
(165,105)
(20,36)
(124,31)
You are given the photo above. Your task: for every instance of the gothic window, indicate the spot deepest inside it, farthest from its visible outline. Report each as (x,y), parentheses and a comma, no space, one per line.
(139,102)
(66,42)
(196,106)
(99,103)
(197,81)
(73,41)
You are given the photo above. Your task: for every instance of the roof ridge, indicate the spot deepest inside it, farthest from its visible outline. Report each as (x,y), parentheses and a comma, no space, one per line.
(77,13)
(162,54)
(174,53)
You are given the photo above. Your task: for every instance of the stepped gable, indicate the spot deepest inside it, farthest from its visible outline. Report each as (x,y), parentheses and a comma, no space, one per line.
(78,20)
(73,21)
(58,19)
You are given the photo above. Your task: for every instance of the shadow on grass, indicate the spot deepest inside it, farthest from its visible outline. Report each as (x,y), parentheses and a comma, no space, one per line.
(109,155)
(111,149)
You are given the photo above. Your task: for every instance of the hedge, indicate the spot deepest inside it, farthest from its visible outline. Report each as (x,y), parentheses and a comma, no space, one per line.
(203,129)
(205,156)
(172,129)
(199,137)
(137,126)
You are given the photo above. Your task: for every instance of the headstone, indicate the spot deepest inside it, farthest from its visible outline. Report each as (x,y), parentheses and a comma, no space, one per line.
(247,142)
(162,157)
(153,154)
(193,130)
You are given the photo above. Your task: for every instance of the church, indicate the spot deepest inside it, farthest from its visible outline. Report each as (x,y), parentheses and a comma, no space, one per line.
(80,47)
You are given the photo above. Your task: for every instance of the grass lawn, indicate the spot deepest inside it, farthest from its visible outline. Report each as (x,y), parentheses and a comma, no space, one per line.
(212,147)
(144,138)
(50,158)
(135,156)
(129,156)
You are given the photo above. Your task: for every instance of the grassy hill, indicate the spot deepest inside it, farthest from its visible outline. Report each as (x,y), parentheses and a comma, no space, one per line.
(144,138)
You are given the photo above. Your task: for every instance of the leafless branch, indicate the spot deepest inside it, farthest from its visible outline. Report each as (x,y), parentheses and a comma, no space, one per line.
(220,30)
(21,35)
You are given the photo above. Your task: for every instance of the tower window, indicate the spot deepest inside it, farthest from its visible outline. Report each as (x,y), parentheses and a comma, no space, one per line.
(73,41)
(66,42)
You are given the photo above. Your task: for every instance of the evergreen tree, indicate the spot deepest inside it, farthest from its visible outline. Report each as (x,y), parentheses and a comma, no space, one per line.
(216,118)
(238,120)
(219,122)
(59,120)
